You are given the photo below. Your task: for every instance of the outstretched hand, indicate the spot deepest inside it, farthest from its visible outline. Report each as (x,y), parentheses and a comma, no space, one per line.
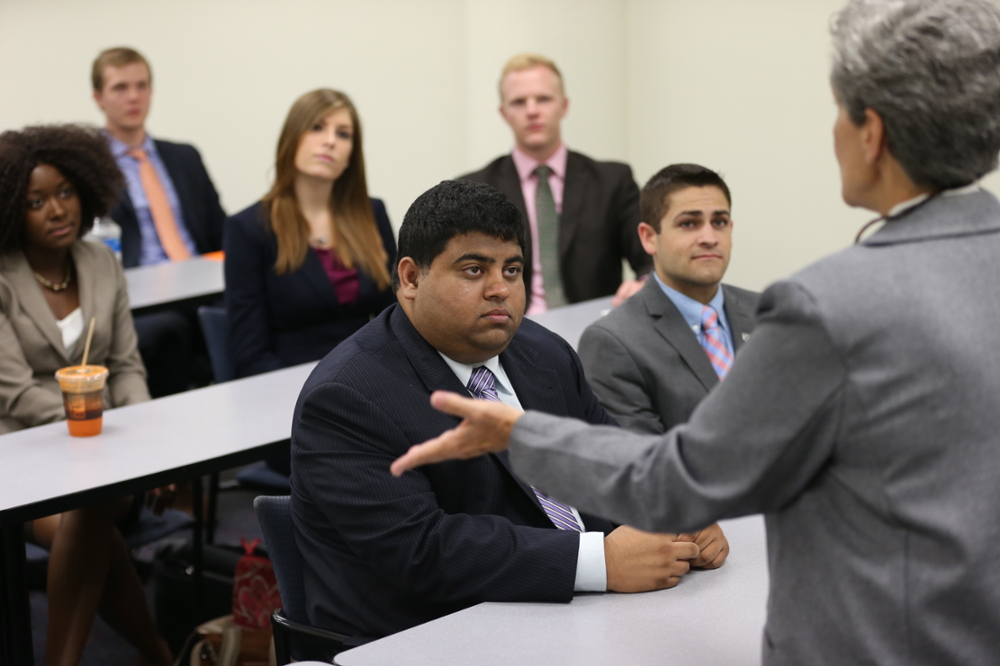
(485,428)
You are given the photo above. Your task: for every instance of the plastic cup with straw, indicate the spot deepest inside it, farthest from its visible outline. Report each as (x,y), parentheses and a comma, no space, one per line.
(83,393)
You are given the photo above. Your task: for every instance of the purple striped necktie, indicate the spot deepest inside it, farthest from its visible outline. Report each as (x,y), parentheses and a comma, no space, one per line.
(482,384)
(712,342)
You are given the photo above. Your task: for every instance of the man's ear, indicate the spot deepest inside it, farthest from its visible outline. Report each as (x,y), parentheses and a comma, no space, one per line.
(647,236)
(409,278)
(874,140)
(503,113)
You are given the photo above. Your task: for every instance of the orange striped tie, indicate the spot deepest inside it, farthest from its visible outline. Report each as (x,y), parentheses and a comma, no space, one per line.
(159,207)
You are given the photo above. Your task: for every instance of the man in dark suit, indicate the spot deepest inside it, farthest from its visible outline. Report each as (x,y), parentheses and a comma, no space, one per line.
(653,359)
(582,214)
(123,89)
(383,554)
(170,210)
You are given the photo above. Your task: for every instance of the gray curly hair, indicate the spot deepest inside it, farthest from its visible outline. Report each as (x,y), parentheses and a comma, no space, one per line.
(931,70)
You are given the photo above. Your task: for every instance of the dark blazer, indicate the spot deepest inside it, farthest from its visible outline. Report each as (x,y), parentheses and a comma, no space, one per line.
(276,321)
(31,345)
(203,215)
(597,227)
(384,554)
(647,366)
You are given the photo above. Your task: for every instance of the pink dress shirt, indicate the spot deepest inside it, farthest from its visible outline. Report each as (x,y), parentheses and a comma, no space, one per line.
(526,166)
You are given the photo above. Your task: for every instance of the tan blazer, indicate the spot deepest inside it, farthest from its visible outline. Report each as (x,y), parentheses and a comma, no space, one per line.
(31,346)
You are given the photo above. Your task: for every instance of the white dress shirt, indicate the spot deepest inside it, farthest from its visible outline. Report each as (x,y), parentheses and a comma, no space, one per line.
(591,571)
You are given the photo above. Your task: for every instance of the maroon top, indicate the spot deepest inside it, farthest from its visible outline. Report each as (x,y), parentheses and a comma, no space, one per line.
(345,280)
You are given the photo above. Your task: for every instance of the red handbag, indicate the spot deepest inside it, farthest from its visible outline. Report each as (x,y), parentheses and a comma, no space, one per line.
(255,589)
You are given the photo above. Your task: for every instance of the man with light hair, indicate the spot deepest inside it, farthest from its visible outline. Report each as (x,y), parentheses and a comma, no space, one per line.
(169,211)
(581,214)
(156,172)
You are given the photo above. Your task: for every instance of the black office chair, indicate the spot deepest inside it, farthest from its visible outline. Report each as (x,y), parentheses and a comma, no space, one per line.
(293,637)
(215,327)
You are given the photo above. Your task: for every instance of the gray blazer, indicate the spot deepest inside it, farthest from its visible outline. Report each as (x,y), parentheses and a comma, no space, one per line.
(31,346)
(862,419)
(645,364)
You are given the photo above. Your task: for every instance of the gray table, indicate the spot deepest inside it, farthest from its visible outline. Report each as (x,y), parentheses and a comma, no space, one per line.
(712,617)
(45,471)
(569,321)
(152,288)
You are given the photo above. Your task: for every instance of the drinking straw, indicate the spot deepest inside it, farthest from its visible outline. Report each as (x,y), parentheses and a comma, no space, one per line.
(90,336)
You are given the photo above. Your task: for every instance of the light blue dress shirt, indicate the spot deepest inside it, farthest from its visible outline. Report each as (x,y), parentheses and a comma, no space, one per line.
(591,569)
(691,311)
(151,252)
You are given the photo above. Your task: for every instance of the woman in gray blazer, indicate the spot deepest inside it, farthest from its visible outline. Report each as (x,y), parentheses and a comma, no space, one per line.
(53,182)
(861,416)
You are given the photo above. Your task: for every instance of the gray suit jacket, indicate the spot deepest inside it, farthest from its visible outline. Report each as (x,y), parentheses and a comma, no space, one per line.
(31,346)
(862,419)
(645,364)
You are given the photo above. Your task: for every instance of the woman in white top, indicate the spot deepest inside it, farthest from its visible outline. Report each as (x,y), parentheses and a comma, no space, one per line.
(53,182)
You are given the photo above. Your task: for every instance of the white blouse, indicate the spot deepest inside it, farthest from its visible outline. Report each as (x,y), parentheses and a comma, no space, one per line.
(72,328)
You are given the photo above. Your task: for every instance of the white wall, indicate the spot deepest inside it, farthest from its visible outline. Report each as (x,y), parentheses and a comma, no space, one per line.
(741,87)
(736,85)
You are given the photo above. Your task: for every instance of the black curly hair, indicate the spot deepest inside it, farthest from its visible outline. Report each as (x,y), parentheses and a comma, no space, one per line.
(80,154)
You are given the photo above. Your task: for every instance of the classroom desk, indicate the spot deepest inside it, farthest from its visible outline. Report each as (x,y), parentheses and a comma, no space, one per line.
(143,446)
(712,617)
(570,321)
(152,288)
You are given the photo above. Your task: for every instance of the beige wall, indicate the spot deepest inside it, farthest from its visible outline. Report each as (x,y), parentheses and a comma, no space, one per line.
(737,85)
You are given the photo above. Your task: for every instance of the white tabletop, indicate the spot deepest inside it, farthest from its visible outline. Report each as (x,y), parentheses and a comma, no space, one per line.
(173,282)
(151,438)
(570,321)
(711,618)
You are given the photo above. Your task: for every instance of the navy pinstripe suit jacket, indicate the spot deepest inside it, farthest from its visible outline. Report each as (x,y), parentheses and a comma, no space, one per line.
(384,554)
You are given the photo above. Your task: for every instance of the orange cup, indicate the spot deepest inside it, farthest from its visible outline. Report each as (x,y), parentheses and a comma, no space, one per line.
(83,396)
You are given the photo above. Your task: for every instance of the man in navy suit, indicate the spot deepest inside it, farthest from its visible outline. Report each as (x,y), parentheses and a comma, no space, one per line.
(169,211)
(123,89)
(384,554)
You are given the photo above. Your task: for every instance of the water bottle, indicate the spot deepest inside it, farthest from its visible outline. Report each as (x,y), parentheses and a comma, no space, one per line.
(108,232)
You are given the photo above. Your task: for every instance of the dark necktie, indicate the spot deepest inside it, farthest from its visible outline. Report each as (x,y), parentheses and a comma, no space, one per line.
(482,384)
(547,220)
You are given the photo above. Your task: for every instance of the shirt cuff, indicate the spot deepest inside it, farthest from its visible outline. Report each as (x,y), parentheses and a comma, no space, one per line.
(591,572)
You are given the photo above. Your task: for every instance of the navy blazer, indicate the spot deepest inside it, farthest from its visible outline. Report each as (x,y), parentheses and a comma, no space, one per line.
(384,554)
(203,215)
(276,321)
(598,226)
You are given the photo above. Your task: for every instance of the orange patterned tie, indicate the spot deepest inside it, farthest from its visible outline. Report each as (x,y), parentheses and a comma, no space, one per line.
(159,207)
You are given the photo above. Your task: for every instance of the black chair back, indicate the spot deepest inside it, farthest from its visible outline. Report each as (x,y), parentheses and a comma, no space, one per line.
(275,518)
(293,637)
(215,327)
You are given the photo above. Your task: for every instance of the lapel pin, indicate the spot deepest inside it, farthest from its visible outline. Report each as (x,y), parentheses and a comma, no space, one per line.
(746,336)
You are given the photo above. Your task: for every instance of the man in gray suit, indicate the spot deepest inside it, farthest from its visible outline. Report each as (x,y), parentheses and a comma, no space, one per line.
(653,358)
(861,417)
